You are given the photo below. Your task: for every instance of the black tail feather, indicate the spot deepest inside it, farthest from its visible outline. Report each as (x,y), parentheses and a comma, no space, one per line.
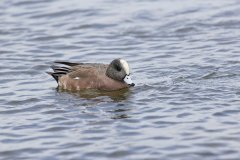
(68,63)
(58,68)
(54,76)
(57,75)
(59,71)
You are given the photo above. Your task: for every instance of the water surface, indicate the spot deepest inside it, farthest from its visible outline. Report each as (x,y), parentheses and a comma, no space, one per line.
(185,60)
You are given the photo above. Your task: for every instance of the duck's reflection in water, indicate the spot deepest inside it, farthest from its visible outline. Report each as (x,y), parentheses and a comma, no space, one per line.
(115,102)
(118,95)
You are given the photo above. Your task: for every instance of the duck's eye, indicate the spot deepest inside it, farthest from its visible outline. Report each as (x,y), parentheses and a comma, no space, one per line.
(118,68)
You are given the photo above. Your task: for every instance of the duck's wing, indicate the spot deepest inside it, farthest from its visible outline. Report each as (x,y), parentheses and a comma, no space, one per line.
(83,71)
(77,70)
(59,71)
(101,68)
(76,65)
(68,63)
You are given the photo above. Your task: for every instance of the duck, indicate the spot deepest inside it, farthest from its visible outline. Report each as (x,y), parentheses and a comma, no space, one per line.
(73,76)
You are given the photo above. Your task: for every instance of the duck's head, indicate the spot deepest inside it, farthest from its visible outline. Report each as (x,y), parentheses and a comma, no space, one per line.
(119,70)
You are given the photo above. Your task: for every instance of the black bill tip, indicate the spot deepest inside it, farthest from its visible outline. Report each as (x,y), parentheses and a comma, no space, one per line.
(132,84)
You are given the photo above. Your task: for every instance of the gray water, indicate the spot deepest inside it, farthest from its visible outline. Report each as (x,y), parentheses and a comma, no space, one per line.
(185,60)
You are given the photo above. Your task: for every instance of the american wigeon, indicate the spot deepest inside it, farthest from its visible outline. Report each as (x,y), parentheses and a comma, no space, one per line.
(79,76)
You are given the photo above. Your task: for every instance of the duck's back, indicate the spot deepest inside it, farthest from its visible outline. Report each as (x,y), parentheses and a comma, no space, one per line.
(94,67)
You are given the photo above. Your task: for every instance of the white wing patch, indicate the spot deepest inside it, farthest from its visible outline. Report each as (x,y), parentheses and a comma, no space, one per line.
(125,66)
(76,78)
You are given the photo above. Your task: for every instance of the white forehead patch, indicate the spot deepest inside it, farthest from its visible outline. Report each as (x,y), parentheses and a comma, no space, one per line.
(125,66)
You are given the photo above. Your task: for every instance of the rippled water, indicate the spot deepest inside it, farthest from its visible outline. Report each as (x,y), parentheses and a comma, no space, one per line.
(185,59)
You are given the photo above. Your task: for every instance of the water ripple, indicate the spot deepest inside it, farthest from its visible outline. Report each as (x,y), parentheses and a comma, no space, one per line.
(185,63)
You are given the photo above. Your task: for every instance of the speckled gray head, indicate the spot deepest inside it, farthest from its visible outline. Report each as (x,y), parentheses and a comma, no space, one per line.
(119,70)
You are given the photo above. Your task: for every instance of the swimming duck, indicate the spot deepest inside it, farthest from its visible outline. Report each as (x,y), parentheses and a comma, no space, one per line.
(78,76)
